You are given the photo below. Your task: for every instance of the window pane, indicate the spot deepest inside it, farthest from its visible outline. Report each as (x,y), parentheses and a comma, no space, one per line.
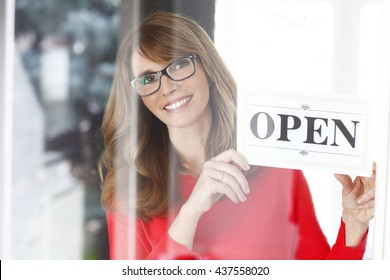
(64,78)
(64,64)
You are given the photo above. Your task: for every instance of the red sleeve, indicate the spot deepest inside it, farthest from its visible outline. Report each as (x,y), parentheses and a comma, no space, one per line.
(127,240)
(341,251)
(312,243)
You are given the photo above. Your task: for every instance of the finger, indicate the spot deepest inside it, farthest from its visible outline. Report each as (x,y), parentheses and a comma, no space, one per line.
(368,182)
(221,188)
(240,186)
(373,174)
(345,180)
(366,197)
(230,170)
(233,156)
(369,205)
(231,182)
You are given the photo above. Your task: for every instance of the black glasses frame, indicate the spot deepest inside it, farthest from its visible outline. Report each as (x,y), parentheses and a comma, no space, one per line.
(164,72)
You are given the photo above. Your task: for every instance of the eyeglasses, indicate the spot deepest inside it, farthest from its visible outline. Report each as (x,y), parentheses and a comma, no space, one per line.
(178,70)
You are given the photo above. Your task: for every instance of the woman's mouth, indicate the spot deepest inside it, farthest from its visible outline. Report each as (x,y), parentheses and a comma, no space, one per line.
(178,103)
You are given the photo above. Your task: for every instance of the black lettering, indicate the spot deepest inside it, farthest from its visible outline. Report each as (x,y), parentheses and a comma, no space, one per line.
(311,130)
(124,272)
(284,126)
(351,139)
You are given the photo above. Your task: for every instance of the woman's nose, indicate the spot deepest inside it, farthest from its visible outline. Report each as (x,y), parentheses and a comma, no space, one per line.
(168,86)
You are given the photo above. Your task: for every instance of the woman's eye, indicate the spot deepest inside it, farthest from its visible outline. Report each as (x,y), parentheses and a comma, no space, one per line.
(181,64)
(147,79)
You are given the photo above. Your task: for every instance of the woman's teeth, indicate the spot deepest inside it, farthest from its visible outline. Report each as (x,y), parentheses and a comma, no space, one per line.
(177,104)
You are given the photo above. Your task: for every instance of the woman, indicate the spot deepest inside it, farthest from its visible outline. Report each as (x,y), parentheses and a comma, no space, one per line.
(174,186)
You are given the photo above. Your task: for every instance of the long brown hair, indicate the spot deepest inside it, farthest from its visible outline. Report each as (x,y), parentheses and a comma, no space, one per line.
(136,142)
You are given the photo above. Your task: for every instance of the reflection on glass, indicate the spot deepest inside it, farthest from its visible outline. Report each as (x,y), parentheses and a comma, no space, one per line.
(63,70)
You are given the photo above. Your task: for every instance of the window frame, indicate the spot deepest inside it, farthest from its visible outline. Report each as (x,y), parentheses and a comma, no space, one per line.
(382,201)
(7,18)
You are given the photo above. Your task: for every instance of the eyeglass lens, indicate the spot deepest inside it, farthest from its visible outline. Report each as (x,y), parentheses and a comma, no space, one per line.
(178,70)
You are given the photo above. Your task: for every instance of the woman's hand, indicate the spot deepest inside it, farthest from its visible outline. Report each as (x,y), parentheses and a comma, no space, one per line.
(358,198)
(222,175)
(219,176)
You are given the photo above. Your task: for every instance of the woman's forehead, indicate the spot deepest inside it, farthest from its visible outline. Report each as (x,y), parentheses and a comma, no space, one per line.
(141,64)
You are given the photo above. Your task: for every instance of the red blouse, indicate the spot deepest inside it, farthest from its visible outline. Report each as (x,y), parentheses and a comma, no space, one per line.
(277,221)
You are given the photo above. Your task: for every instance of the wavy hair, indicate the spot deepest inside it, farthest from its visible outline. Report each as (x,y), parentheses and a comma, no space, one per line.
(136,142)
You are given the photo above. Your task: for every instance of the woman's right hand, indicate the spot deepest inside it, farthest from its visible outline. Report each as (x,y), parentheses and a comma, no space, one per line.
(221,175)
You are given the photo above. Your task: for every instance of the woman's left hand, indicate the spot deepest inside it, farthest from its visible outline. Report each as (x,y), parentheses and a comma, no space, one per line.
(358,199)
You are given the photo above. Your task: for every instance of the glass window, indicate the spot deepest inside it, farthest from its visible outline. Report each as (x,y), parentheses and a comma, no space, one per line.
(64,66)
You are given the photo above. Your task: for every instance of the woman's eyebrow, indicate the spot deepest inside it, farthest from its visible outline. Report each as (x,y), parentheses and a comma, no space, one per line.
(145,72)
(149,71)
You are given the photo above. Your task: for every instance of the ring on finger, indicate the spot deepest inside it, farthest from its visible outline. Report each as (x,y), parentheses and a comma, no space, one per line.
(222,174)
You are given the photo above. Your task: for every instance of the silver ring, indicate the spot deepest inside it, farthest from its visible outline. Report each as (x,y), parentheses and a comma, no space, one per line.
(223,173)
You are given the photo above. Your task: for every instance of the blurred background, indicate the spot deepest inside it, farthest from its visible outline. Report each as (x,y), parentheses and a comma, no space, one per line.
(64,59)
(63,68)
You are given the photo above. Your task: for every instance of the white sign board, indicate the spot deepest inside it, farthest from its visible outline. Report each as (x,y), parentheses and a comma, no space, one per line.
(299,131)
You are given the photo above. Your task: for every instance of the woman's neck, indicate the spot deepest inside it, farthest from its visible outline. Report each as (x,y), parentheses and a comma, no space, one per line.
(189,142)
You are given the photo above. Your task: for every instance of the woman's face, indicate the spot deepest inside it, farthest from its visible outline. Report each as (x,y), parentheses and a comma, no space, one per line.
(177,103)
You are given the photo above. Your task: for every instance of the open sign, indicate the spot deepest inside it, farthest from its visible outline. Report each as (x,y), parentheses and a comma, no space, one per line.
(305,131)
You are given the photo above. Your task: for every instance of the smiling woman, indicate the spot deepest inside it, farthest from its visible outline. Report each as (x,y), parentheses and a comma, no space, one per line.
(172,174)
(148,119)
(184,87)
